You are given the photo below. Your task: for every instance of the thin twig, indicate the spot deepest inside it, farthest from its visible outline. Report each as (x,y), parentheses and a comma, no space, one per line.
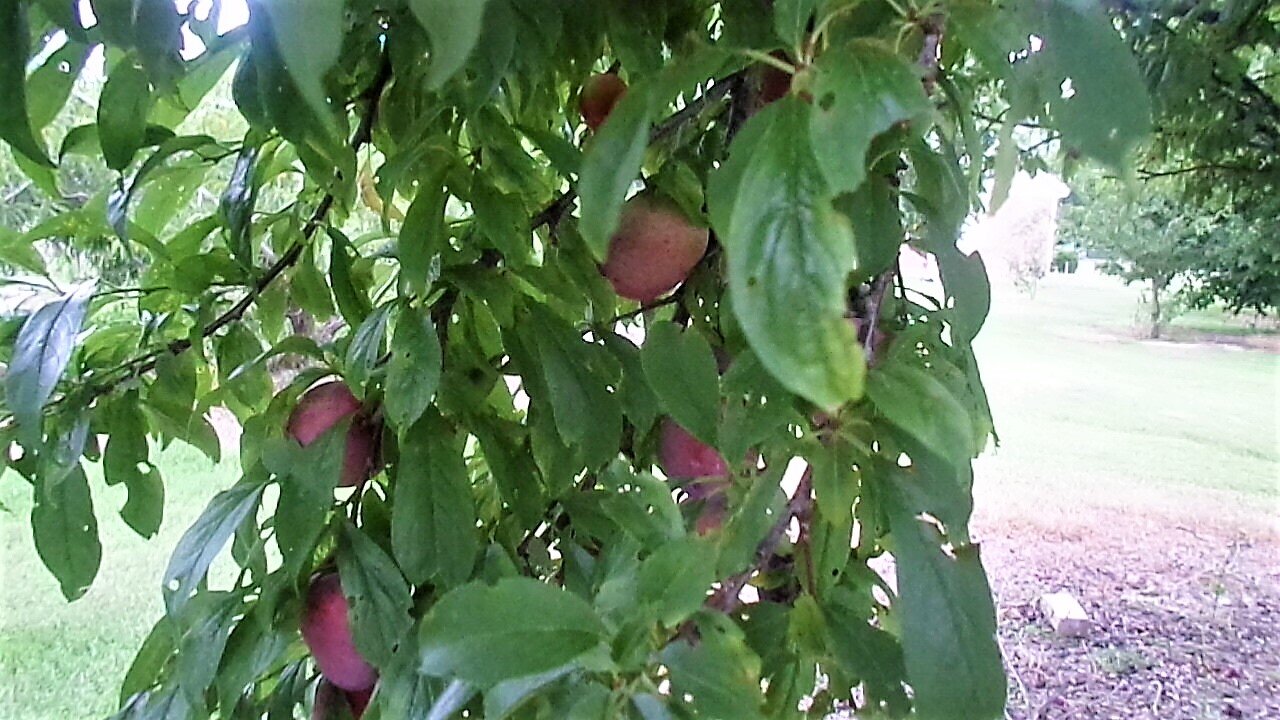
(553,213)
(727,597)
(933,27)
(874,305)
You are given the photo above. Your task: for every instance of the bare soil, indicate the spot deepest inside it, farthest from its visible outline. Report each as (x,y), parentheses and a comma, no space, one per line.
(1186,620)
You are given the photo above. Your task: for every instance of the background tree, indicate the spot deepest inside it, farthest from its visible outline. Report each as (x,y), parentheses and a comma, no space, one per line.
(516,485)
(1154,242)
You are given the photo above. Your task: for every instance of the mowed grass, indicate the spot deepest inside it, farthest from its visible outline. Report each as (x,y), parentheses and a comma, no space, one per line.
(1089,417)
(63,661)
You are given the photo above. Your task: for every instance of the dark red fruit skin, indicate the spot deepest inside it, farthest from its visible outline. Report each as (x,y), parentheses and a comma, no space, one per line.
(684,457)
(600,93)
(324,406)
(359,701)
(699,470)
(774,83)
(326,630)
(653,250)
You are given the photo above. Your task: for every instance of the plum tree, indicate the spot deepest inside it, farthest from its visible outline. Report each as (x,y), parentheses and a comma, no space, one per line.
(412,174)
(653,250)
(599,94)
(324,406)
(326,629)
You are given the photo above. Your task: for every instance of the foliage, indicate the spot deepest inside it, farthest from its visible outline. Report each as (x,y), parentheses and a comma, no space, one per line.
(1174,247)
(1214,73)
(515,552)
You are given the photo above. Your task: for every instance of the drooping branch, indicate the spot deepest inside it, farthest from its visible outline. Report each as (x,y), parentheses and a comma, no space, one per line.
(551,215)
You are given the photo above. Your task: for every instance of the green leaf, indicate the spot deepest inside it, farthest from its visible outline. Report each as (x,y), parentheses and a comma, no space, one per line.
(948,621)
(503,220)
(791,19)
(423,235)
(125,460)
(379,598)
(144,671)
(202,542)
(869,654)
(236,206)
(50,85)
(1106,112)
(122,114)
(207,624)
(914,400)
(721,674)
(252,650)
(789,254)
(509,695)
(860,91)
(308,35)
(16,250)
(454,27)
(413,372)
(514,628)
(15,125)
(610,166)
(366,345)
(66,532)
(40,356)
(877,226)
(587,415)
(403,692)
(352,301)
(965,279)
(638,399)
(306,495)
(433,521)
(681,369)
(674,581)
(835,482)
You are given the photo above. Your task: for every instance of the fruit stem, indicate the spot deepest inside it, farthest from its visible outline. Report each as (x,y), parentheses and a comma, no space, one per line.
(768,60)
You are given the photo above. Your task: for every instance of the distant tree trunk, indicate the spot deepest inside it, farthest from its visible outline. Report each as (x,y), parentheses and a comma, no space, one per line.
(1155,308)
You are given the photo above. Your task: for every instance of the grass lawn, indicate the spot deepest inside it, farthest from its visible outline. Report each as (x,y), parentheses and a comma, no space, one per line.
(1089,417)
(65,661)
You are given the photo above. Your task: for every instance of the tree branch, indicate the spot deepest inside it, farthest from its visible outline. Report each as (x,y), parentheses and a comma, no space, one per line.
(727,598)
(363,133)
(870,343)
(553,213)
(1213,167)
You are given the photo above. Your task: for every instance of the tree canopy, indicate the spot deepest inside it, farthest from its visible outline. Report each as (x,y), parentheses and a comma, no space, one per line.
(579,338)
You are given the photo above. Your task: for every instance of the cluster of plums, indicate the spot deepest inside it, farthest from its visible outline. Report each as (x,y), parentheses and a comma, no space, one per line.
(653,250)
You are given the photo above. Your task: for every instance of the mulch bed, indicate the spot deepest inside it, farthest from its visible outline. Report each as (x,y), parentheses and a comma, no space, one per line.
(1186,622)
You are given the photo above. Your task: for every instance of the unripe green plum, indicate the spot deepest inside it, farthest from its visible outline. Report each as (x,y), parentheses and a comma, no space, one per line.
(326,629)
(600,93)
(653,250)
(324,406)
